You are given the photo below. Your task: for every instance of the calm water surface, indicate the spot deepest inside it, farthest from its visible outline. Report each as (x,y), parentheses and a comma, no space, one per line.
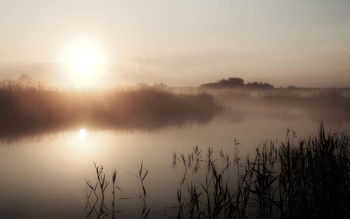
(44,177)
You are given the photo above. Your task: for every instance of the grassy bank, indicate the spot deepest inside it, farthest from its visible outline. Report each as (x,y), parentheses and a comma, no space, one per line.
(27,109)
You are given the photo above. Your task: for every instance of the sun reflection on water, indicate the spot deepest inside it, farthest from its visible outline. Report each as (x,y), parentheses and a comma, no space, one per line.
(82,133)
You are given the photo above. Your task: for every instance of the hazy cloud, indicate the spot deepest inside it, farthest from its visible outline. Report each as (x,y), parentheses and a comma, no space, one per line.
(339,47)
(345,47)
(143,63)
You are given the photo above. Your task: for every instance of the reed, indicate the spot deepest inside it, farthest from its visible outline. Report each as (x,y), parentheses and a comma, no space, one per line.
(97,206)
(308,178)
(142,175)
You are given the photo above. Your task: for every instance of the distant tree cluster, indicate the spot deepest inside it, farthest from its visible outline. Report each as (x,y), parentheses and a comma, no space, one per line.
(259,85)
(237,83)
(25,79)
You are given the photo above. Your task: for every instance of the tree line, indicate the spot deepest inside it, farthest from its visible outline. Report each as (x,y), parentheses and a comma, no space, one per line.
(237,83)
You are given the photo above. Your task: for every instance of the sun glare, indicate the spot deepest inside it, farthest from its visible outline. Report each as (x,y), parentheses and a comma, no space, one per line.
(85,61)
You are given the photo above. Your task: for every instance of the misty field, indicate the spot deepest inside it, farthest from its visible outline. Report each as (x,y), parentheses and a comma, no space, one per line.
(320,104)
(28,109)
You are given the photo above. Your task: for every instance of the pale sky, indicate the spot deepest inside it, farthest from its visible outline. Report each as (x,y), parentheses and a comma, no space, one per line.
(183,42)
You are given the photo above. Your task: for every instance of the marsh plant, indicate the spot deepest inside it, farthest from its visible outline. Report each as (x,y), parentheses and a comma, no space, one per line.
(307,179)
(96,204)
(98,194)
(292,179)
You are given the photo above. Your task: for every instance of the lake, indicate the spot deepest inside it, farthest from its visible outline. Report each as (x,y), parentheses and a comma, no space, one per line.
(43,175)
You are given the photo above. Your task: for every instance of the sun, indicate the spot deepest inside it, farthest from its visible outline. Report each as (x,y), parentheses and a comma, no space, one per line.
(84,60)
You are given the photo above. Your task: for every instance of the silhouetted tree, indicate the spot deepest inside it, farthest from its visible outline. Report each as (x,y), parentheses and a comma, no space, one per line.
(160,86)
(237,82)
(231,82)
(259,85)
(25,79)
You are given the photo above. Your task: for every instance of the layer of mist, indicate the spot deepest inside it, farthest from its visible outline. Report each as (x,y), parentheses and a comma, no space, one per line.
(28,110)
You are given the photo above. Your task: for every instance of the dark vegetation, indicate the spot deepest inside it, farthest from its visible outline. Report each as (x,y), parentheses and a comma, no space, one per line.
(28,109)
(305,179)
(308,179)
(237,83)
(96,205)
